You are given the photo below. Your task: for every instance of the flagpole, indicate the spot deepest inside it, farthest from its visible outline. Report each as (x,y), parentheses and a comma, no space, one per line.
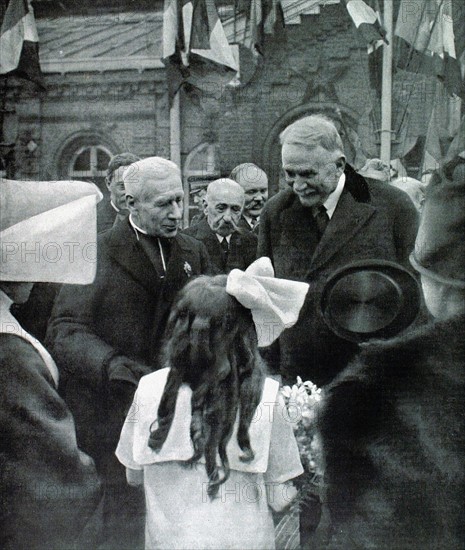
(175,140)
(386,91)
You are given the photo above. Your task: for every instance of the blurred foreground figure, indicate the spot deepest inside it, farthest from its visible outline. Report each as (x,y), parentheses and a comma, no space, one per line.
(393,425)
(49,488)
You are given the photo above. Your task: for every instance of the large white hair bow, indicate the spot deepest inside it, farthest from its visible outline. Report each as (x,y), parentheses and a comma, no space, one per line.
(275,303)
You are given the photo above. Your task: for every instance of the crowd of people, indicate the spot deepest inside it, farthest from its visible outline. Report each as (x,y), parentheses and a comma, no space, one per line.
(140,384)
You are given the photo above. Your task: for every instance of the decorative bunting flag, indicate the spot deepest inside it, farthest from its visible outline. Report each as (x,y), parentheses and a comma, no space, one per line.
(261,17)
(432,153)
(428,43)
(195,48)
(19,42)
(367,20)
(457,146)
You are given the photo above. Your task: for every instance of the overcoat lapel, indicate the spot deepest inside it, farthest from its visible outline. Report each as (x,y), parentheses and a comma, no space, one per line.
(178,271)
(348,219)
(298,231)
(126,250)
(205,234)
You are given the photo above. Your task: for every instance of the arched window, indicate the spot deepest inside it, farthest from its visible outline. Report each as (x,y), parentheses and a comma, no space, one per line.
(89,163)
(85,156)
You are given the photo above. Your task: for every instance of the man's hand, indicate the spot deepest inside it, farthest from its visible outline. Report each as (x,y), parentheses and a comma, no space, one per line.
(122,369)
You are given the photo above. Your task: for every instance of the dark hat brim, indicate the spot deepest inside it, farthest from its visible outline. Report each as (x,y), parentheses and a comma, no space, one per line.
(370,299)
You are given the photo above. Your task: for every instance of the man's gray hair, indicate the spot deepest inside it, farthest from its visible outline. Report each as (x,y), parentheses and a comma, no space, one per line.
(313,131)
(150,170)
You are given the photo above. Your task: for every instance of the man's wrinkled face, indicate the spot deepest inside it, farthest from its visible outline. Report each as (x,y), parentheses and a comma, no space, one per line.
(313,173)
(159,209)
(115,185)
(223,210)
(255,185)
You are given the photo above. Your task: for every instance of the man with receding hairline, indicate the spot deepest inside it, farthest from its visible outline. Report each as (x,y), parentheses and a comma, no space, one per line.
(254,181)
(227,246)
(106,335)
(328,217)
(114,210)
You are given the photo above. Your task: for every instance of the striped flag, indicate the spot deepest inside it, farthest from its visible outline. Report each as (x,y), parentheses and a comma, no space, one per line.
(367,19)
(261,17)
(195,46)
(19,42)
(432,40)
(174,47)
(432,153)
(457,145)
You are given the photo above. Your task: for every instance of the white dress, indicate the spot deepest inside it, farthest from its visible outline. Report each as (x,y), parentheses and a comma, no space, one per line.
(180,515)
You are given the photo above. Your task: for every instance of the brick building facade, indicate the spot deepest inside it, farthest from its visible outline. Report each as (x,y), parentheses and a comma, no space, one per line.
(107,93)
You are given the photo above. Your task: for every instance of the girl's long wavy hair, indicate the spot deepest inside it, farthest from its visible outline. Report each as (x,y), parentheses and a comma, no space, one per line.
(212,347)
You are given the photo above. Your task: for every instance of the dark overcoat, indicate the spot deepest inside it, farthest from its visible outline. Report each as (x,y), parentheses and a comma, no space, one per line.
(371,221)
(123,312)
(242,248)
(393,432)
(49,488)
(106,215)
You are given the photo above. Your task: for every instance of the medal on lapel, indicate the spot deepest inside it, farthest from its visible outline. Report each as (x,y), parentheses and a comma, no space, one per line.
(187,269)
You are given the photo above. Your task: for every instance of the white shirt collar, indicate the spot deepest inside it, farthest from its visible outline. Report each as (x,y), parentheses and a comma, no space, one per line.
(136,228)
(221,238)
(249,220)
(114,206)
(331,202)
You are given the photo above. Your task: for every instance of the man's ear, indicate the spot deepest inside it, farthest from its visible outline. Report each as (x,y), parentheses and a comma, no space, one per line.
(130,203)
(108,182)
(341,164)
(205,205)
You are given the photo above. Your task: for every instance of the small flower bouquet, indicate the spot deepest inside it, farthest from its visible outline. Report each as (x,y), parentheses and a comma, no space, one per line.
(302,402)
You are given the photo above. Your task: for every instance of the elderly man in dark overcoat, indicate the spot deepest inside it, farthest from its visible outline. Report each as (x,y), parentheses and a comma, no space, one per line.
(107,335)
(228,246)
(393,424)
(328,217)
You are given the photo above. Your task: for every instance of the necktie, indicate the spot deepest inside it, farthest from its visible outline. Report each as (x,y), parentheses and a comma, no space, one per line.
(225,247)
(321,218)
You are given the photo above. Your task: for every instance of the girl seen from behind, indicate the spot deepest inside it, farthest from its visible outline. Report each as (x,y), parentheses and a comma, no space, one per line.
(208,436)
